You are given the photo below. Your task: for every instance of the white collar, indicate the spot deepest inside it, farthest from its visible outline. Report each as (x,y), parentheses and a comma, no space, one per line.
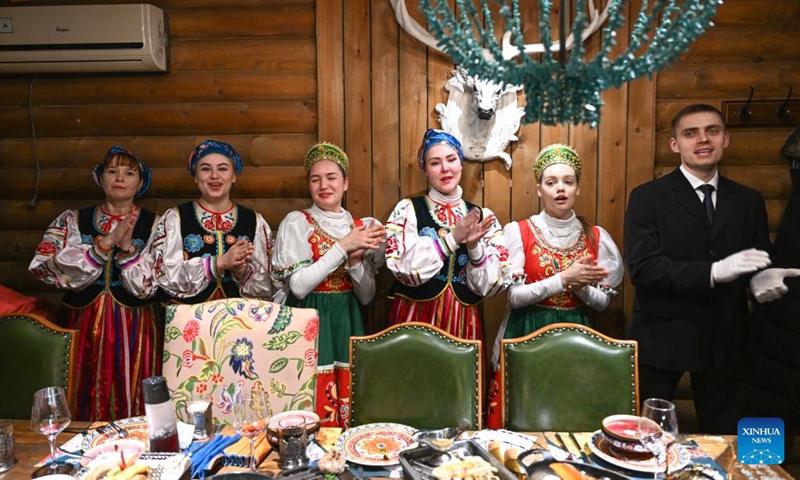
(440,197)
(696,182)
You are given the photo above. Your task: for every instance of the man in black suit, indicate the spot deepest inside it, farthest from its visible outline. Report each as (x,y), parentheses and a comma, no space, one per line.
(693,240)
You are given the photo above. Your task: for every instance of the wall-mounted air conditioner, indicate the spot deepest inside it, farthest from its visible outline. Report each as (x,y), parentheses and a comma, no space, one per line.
(83,38)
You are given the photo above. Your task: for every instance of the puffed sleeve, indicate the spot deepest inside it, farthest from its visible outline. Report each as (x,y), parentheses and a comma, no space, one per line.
(521,294)
(257,281)
(64,259)
(488,261)
(608,256)
(294,261)
(178,277)
(413,259)
(137,269)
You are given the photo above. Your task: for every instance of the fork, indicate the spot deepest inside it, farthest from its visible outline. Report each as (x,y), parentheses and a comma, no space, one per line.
(121,432)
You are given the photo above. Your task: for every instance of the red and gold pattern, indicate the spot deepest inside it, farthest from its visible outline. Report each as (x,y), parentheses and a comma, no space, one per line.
(543,260)
(321,242)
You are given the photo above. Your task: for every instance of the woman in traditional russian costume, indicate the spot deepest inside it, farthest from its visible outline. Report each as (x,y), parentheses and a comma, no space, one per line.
(92,253)
(446,254)
(212,248)
(327,260)
(559,262)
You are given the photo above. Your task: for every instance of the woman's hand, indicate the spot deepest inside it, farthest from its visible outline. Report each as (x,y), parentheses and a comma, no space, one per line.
(582,272)
(237,257)
(471,228)
(360,239)
(121,235)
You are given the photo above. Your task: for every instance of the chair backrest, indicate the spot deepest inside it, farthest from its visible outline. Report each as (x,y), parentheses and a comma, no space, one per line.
(222,345)
(34,353)
(417,375)
(567,377)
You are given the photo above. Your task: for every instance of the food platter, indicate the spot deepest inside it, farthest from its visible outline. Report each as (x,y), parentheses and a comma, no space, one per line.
(135,426)
(677,457)
(375,444)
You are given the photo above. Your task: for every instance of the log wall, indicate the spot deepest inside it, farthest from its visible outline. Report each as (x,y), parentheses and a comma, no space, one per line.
(273,76)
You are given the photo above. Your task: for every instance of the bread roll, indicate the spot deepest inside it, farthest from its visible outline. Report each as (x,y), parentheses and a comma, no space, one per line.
(495,448)
(510,460)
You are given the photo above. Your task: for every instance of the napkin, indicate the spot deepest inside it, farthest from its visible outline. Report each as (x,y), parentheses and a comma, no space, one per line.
(209,452)
(238,454)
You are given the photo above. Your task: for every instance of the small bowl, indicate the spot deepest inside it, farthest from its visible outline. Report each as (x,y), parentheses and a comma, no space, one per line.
(625,428)
(109,451)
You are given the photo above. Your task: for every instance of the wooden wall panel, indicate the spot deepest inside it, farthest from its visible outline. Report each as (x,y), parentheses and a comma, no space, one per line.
(343,72)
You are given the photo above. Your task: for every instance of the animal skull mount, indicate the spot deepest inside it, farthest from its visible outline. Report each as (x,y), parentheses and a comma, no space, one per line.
(482,114)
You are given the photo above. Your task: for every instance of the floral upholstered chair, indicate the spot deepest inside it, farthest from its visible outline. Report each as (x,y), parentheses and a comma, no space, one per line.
(223,345)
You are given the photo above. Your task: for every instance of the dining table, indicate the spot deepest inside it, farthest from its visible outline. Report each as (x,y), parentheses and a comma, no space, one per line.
(32,447)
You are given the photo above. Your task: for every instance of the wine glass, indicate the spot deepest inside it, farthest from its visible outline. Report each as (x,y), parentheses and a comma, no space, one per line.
(661,413)
(49,416)
(251,417)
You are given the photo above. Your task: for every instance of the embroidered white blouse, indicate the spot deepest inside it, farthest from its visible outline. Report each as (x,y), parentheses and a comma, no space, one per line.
(561,234)
(67,259)
(415,259)
(293,258)
(183,278)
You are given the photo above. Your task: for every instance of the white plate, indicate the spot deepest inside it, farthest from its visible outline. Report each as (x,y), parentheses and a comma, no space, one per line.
(506,437)
(677,458)
(375,444)
(135,426)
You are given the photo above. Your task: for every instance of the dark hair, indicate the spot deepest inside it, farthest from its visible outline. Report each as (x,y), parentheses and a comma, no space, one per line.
(692,109)
(125,160)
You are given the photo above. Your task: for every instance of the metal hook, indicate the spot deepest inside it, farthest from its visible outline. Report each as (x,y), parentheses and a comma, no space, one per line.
(744,112)
(783,110)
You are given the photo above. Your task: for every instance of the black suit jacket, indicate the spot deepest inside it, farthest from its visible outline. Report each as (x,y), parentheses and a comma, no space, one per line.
(678,318)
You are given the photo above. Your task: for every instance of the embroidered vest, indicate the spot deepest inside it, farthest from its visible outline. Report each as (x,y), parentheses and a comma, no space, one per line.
(110,278)
(454,271)
(321,242)
(203,240)
(543,260)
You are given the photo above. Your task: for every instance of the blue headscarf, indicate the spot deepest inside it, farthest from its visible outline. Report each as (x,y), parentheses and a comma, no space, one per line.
(212,146)
(438,137)
(144,170)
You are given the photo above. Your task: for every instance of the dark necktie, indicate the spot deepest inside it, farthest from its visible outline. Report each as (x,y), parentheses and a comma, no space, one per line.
(707,201)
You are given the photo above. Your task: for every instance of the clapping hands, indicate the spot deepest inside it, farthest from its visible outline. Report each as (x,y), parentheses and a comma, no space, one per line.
(363,238)
(583,271)
(471,228)
(236,258)
(121,235)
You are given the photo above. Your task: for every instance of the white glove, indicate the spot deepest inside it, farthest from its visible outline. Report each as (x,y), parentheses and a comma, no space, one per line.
(737,264)
(768,285)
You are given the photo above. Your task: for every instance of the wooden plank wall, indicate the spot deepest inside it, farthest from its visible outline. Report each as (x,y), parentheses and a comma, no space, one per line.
(272,76)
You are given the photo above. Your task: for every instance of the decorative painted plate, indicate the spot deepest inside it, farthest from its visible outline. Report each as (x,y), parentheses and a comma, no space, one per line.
(135,426)
(507,437)
(677,458)
(375,444)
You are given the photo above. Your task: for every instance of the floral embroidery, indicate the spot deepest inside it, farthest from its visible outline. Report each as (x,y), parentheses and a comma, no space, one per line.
(243,237)
(502,252)
(312,329)
(310,358)
(230,239)
(391,245)
(463,259)
(138,243)
(87,239)
(191,331)
(209,239)
(188,358)
(428,232)
(242,358)
(192,243)
(201,388)
(217,378)
(46,248)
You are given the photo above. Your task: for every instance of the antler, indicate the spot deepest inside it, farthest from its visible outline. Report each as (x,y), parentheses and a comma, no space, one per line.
(413,28)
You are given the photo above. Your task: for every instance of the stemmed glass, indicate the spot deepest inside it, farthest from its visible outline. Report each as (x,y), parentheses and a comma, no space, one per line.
(49,416)
(251,417)
(662,413)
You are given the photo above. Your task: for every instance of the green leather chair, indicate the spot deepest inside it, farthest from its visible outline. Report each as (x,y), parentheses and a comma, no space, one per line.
(34,354)
(415,374)
(567,377)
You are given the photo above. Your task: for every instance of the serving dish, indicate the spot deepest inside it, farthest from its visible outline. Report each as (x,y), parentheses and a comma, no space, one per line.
(547,466)
(677,457)
(135,426)
(415,466)
(625,428)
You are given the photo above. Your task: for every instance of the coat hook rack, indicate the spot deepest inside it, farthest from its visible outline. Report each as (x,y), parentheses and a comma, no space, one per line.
(783,110)
(739,113)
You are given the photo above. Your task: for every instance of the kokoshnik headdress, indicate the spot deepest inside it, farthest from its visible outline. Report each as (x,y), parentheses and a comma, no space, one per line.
(326,151)
(557,153)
